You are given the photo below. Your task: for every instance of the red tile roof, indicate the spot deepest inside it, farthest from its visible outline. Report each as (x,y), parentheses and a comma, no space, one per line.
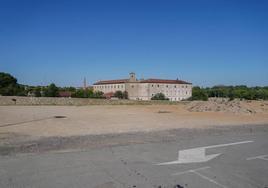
(65,94)
(162,81)
(111,82)
(151,80)
(108,95)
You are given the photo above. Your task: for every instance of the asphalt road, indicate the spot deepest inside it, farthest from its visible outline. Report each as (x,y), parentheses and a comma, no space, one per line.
(242,162)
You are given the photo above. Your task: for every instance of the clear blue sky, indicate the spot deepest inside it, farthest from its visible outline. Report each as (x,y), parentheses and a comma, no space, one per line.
(207,42)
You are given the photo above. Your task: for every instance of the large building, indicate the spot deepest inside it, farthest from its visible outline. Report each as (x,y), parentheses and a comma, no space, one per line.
(175,90)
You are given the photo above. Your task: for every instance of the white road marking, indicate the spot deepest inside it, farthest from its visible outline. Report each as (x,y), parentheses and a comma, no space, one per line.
(195,171)
(262,157)
(209,179)
(190,171)
(198,155)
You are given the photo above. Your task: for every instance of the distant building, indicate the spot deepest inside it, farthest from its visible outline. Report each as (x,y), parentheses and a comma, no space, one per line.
(145,89)
(65,94)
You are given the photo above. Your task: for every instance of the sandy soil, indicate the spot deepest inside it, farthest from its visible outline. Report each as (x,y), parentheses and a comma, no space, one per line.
(34,122)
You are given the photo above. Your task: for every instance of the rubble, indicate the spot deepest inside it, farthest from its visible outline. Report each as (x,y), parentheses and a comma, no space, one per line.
(235,106)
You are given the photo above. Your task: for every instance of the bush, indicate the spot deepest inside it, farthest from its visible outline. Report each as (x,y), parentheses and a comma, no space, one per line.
(159,96)
(118,94)
(125,95)
(8,84)
(98,94)
(199,94)
(51,91)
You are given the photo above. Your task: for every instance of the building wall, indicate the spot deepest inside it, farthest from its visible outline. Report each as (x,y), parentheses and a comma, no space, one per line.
(175,92)
(106,88)
(137,91)
(145,91)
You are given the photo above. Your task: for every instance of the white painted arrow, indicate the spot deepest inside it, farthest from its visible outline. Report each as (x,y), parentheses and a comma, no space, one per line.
(198,155)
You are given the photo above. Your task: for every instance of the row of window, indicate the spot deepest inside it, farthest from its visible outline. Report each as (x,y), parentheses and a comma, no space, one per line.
(176,99)
(109,87)
(122,86)
(171,94)
(175,86)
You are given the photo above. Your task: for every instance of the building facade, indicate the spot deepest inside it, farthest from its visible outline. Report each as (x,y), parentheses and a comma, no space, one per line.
(175,90)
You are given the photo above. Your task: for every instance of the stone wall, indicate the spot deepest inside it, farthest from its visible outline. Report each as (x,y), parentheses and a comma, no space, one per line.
(15,100)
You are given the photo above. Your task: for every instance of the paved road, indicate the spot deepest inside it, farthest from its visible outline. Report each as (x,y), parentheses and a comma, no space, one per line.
(241,164)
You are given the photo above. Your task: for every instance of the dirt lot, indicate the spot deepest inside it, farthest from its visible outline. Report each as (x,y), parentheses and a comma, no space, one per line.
(33,122)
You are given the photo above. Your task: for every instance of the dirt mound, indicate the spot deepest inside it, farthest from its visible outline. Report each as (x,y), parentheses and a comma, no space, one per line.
(225,105)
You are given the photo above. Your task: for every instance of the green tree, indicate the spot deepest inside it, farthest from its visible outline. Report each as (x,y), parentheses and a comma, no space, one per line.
(7,80)
(8,84)
(125,95)
(199,94)
(98,94)
(119,94)
(52,91)
(37,91)
(83,93)
(159,96)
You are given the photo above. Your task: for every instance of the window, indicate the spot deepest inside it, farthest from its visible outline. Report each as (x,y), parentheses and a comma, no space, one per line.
(174,86)
(132,86)
(167,86)
(157,85)
(152,85)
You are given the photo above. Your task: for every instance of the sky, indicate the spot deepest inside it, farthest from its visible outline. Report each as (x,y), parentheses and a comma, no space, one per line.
(206,42)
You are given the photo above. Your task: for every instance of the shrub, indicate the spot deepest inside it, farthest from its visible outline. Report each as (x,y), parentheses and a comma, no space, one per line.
(199,94)
(159,96)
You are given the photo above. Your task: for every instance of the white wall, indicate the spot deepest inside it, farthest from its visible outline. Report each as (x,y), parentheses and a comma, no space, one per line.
(145,91)
(106,88)
(175,92)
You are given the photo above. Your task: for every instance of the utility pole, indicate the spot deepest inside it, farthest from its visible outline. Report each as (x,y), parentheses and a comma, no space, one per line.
(85,83)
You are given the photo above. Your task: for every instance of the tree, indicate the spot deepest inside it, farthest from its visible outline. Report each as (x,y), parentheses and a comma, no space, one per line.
(159,96)
(52,91)
(199,94)
(79,93)
(8,84)
(119,94)
(83,93)
(98,94)
(7,80)
(125,95)
(37,92)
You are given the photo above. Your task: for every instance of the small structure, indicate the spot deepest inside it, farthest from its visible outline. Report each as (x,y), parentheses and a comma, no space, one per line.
(65,94)
(108,95)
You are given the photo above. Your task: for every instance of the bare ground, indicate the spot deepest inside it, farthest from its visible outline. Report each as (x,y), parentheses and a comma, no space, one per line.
(35,128)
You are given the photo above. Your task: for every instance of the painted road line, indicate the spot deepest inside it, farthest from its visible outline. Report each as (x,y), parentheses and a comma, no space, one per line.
(262,157)
(198,155)
(196,172)
(209,179)
(190,171)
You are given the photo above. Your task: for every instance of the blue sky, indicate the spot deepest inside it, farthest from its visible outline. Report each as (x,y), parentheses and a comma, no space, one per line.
(206,42)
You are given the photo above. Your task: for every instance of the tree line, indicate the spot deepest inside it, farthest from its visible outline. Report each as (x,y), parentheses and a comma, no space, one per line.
(231,92)
(10,87)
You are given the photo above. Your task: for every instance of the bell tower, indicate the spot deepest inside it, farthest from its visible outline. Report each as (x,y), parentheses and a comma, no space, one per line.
(132,77)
